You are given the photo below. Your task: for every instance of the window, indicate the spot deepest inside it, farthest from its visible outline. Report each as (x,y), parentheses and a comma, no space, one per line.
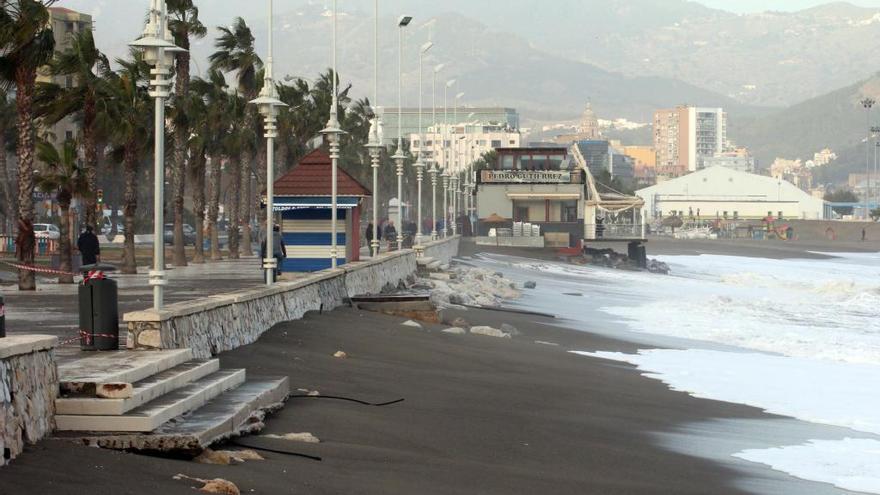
(415,144)
(525,162)
(68,135)
(68,26)
(496,143)
(569,211)
(520,213)
(539,162)
(429,143)
(555,162)
(507,162)
(68,82)
(780,215)
(736,215)
(512,142)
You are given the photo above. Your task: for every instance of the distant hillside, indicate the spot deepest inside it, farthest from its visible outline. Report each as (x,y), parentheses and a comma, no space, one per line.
(835,120)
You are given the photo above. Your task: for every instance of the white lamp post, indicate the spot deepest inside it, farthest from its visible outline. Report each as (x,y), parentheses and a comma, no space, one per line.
(399,157)
(375,143)
(268,105)
(445,176)
(420,164)
(333,133)
(159,52)
(433,171)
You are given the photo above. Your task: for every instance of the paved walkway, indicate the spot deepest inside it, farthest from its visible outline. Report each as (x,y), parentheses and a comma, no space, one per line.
(53,308)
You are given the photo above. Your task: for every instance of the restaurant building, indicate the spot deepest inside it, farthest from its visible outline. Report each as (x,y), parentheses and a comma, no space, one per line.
(538,185)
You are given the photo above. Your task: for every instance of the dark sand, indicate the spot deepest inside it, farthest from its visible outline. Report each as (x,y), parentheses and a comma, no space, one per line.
(481,415)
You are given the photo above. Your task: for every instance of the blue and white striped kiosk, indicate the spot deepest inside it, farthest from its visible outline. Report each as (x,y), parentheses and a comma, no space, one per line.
(302,196)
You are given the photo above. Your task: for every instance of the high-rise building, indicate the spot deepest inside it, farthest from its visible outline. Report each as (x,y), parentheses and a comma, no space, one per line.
(685,135)
(66,24)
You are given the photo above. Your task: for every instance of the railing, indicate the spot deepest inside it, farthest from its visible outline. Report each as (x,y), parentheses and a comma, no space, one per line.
(614,231)
(43,246)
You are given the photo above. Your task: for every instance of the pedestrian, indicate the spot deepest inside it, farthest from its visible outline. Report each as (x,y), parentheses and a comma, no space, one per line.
(279,250)
(864,234)
(390,234)
(89,247)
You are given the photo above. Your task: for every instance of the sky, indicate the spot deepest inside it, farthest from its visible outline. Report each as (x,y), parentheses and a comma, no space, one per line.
(745,6)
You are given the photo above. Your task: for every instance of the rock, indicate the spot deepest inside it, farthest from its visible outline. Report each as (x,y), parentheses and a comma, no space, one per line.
(313,393)
(498,274)
(512,286)
(227,457)
(304,437)
(454,331)
(531,284)
(456,299)
(410,323)
(221,486)
(489,332)
(114,390)
(461,323)
(510,329)
(340,354)
(479,276)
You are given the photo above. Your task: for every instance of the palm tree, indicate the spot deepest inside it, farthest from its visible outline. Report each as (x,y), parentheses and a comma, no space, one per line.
(84,63)
(7,124)
(183,21)
(235,53)
(131,113)
(27,43)
(64,177)
(213,125)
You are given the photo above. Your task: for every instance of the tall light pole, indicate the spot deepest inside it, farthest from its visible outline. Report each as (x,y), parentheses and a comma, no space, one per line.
(267,105)
(445,176)
(446,152)
(420,164)
(375,143)
(399,157)
(333,133)
(458,164)
(867,103)
(434,169)
(159,52)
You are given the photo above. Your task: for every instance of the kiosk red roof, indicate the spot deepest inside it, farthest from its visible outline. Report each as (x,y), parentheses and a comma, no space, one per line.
(311,177)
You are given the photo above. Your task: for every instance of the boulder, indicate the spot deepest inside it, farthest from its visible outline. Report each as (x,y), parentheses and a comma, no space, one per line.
(531,284)
(489,332)
(454,331)
(510,329)
(411,323)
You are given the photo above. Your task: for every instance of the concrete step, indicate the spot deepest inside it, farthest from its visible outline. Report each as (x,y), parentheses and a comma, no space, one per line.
(424,261)
(235,412)
(85,372)
(153,414)
(434,266)
(143,391)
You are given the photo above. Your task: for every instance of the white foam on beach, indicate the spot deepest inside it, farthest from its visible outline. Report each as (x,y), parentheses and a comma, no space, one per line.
(851,463)
(814,390)
(815,324)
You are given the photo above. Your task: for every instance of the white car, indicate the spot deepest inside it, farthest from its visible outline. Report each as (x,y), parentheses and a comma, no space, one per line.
(46,231)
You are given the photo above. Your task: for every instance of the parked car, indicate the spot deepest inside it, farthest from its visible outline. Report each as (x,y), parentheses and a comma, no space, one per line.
(108,226)
(189,234)
(46,231)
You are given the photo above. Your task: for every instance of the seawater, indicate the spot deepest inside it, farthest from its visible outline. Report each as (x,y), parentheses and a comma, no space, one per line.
(795,337)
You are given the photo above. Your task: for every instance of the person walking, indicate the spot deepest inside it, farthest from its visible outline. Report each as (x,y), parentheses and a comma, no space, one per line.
(279,250)
(369,237)
(390,234)
(89,247)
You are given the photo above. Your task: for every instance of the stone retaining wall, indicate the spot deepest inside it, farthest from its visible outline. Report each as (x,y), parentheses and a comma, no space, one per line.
(224,322)
(28,388)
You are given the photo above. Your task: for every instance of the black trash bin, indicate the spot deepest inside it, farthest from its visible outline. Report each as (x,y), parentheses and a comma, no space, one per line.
(2,318)
(99,315)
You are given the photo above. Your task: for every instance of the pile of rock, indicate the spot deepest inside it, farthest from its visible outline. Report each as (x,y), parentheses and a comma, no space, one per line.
(464,285)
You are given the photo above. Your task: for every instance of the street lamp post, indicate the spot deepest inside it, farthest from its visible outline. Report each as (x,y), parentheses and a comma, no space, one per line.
(159,52)
(333,133)
(433,172)
(399,157)
(445,176)
(268,105)
(375,143)
(420,164)
(867,103)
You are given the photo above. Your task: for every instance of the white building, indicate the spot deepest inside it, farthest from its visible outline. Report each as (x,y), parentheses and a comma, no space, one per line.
(720,192)
(464,143)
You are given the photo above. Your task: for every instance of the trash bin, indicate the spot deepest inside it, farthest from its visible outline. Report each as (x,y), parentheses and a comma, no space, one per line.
(2,318)
(98,314)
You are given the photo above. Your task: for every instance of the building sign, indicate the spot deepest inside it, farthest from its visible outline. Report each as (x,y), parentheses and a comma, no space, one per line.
(527,176)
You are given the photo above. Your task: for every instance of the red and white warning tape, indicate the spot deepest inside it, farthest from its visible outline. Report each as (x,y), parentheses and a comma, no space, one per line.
(91,275)
(87,337)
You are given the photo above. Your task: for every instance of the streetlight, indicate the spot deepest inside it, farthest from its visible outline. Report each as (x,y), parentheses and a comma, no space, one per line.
(159,52)
(456,156)
(446,152)
(333,133)
(434,169)
(445,176)
(402,23)
(420,164)
(268,105)
(375,143)
(867,103)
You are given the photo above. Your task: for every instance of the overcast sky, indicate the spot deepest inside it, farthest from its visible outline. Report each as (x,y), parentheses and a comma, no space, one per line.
(743,6)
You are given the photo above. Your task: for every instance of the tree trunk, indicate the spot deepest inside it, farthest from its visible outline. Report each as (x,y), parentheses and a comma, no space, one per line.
(64,244)
(245,204)
(129,208)
(181,136)
(234,218)
(90,150)
(24,245)
(214,207)
(198,167)
(8,199)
